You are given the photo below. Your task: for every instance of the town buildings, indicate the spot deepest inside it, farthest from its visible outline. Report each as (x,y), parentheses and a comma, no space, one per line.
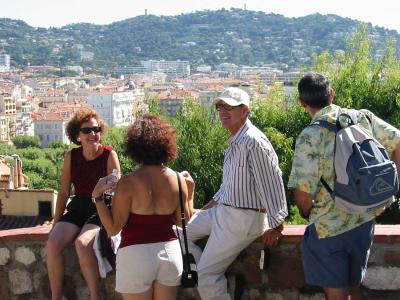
(4,63)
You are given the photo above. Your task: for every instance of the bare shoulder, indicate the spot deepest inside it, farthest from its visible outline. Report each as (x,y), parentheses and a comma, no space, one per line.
(67,155)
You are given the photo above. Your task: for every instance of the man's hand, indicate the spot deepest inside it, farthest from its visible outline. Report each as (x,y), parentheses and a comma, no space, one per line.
(304,202)
(272,236)
(210,204)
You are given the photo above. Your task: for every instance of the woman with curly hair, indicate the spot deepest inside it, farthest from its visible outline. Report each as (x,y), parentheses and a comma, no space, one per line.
(83,166)
(146,206)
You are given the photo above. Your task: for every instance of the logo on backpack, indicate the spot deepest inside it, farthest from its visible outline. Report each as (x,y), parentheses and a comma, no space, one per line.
(366,179)
(380,186)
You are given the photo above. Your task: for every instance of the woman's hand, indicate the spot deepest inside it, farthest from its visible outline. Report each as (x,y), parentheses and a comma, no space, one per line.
(108,182)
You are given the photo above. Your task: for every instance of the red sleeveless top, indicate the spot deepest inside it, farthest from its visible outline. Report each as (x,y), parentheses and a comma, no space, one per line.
(86,173)
(146,229)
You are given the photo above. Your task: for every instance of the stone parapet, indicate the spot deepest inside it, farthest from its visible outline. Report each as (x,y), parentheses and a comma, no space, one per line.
(23,273)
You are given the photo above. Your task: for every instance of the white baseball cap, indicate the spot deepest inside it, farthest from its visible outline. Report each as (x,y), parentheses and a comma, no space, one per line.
(233,96)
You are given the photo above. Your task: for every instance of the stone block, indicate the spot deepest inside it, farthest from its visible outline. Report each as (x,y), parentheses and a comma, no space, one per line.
(247,267)
(317,296)
(285,271)
(20,282)
(24,255)
(392,258)
(382,278)
(43,254)
(4,256)
(252,294)
(4,292)
(282,295)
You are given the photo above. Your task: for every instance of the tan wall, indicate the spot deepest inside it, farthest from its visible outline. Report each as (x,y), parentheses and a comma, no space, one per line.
(25,202)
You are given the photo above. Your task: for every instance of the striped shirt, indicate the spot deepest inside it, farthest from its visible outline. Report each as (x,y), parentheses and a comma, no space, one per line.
(251,176)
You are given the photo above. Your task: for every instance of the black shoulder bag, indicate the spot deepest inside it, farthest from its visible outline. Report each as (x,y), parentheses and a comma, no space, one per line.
(189,276)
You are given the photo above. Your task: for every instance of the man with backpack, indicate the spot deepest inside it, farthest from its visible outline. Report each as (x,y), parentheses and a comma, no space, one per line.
(342,179)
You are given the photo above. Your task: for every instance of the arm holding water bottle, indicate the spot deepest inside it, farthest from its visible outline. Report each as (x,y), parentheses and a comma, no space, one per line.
(115,219)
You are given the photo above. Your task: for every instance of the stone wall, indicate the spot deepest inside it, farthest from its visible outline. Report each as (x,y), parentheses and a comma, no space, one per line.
(23,273)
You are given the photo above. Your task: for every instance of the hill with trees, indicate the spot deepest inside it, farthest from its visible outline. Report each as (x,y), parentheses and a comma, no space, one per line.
(205,37)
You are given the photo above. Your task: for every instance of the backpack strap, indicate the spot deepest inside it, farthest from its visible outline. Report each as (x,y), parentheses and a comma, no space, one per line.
(326,124)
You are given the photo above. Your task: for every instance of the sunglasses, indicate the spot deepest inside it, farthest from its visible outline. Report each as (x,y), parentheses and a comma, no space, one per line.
(87,130)
(225,106)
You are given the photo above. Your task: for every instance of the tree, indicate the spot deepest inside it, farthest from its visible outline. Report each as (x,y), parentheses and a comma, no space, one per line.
(25,141)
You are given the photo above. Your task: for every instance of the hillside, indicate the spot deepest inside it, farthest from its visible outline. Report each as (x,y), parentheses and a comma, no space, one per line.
(211,37)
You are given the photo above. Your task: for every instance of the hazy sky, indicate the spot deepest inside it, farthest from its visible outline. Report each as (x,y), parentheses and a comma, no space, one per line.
(46,13)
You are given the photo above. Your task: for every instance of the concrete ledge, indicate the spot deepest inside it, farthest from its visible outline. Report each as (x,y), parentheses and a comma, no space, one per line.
(388,234)
(23,273)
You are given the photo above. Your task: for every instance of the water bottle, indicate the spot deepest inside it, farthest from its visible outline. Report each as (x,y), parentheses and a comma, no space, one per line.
(113,177)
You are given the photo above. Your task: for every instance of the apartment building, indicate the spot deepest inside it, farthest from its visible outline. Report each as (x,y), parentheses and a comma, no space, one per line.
(172,100)
(8,109)
(24,122)
(4,63)
(115,108)
(175,68)
(49,126)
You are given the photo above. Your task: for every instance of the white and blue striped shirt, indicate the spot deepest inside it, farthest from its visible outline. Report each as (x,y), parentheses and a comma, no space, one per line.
(251,176)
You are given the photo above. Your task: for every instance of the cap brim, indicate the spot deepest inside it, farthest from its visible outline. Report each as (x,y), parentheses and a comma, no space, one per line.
(228,101)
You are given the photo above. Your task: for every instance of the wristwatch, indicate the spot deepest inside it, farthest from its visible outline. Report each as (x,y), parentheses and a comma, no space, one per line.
(98,199)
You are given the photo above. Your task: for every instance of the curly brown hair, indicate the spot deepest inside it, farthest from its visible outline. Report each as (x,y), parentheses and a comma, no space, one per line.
(81,116)
(151,140)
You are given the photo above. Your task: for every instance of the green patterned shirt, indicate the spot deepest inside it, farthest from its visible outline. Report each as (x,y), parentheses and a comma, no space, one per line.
(313,159)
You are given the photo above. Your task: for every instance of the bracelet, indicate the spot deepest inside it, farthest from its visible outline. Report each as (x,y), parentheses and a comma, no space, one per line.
(98,199)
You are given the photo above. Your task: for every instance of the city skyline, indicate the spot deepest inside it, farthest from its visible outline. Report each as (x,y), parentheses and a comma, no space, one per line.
(51,13)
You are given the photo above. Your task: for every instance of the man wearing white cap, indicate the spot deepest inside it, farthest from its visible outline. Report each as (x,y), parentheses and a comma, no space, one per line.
(249,203)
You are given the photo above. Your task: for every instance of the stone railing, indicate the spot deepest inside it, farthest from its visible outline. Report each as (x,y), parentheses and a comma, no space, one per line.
(23,273)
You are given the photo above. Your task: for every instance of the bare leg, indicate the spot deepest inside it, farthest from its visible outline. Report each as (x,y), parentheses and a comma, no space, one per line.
(60,237)
(164,292)
(148,295)
(336,293)
(87,259)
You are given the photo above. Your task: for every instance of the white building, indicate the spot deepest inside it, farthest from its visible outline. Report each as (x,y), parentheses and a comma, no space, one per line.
(115,108)
(204,69)
(51,127)
(207,97)
(77,69)
(4,63)
(175,68)
(24,122)
(8,109)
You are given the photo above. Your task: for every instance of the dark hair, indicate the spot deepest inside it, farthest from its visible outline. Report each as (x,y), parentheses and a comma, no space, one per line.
(314,90)
(151,140)
(81,116)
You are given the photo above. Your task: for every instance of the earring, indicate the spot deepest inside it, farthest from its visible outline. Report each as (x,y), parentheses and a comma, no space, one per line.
(78,139)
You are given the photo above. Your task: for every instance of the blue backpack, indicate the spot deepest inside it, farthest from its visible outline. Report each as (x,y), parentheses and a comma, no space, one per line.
(366,179)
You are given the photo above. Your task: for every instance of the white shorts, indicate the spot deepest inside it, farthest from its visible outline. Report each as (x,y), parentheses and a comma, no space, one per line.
(138,266)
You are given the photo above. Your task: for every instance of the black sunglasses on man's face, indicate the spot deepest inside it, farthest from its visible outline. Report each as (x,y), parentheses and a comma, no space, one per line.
(225,106)
(87,130)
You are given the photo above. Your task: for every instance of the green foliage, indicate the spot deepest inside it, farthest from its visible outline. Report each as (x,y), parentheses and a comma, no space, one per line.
(202,142)
(295,217)
(362,80)
(115,138)
(25,141)
(56,144)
